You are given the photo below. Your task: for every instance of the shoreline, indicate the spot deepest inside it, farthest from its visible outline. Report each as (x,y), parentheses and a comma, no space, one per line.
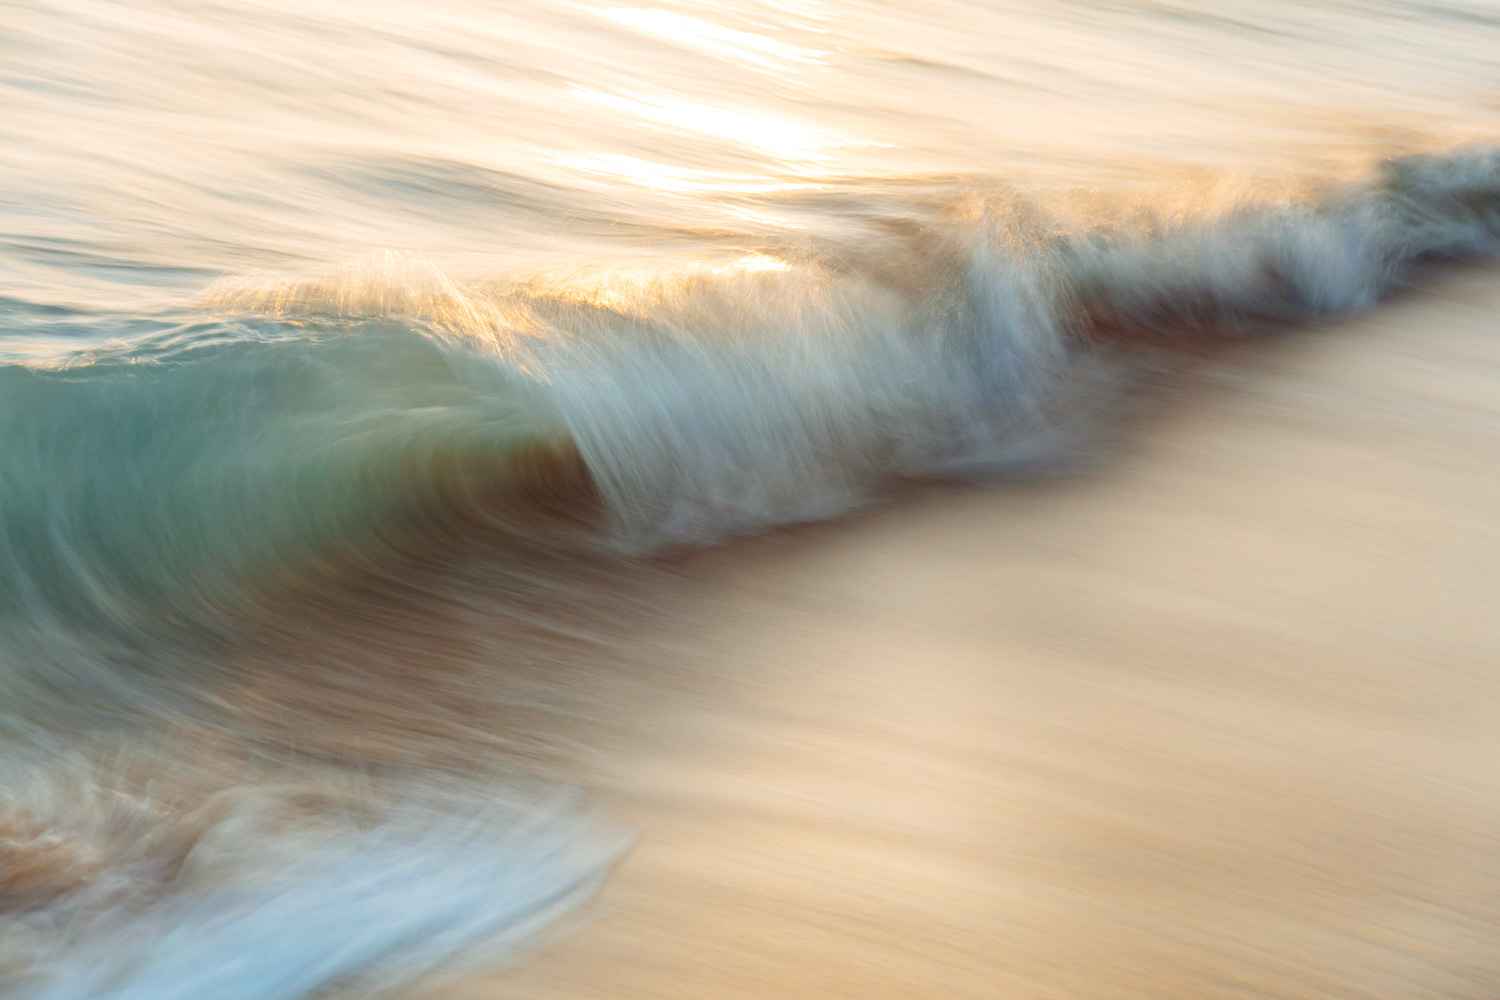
(1213,717)
(1213,720)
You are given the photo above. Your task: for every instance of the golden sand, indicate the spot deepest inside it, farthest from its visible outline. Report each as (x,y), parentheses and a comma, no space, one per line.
(1218,719)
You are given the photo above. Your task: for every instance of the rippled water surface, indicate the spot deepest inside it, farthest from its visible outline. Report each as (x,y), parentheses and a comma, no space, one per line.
(153,147)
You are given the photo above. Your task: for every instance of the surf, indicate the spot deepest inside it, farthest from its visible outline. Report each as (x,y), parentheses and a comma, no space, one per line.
(285,441)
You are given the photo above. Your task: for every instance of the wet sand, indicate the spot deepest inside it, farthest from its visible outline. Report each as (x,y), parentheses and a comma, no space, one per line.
(1220,718)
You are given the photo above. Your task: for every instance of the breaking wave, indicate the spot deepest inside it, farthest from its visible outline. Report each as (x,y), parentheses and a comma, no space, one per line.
(284,432)
(288,420)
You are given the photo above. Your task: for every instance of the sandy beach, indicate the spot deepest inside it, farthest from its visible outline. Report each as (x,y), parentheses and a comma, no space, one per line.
(1214,719)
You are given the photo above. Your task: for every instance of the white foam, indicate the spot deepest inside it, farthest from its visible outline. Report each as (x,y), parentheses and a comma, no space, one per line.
(346,900)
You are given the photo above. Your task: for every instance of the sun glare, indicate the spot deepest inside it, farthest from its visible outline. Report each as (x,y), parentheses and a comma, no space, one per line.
(776,137)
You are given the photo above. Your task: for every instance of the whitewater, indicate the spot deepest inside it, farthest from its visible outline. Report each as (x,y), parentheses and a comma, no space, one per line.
(337,341)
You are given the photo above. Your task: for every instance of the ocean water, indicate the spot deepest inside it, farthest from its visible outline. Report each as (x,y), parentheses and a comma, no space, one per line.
(300,293)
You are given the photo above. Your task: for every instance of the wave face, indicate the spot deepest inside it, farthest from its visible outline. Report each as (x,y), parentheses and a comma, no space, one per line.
(152,481)
(355,417)
(624,279)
